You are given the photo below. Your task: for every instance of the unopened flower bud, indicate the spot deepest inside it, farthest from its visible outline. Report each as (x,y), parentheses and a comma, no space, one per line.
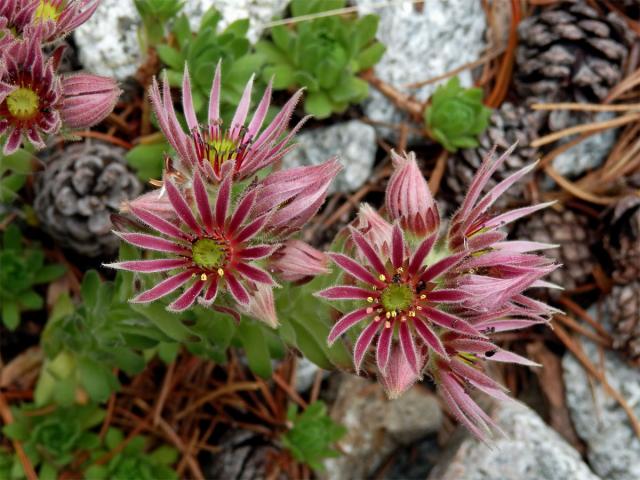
(399,376)
(409,199)
(297,260)
(88,99)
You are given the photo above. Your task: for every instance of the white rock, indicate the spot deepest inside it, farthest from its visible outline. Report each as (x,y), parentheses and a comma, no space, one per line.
(613,450)
(354,143)
(377,426)
(108,41)
(421,45)
(531,451)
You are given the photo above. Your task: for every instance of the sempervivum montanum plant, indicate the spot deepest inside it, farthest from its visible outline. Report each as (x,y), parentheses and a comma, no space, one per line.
(35,100)
(430,304)
(219,226)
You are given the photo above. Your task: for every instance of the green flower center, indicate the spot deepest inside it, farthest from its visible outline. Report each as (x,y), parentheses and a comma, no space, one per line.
(208,253)
(23,103)
(46,11)
(396,298)
(222,150)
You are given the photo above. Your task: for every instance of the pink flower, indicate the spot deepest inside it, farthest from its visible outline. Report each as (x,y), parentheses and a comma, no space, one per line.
(210,248)
(409,199)
(262,305)
(297,260)
(208,148)
(399,375)
(375,228)
(398,296)
(56,18)
(88,99)
(31,95)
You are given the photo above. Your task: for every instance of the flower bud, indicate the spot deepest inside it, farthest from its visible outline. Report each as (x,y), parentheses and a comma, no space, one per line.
(155,201)
(399,376)
(375,228)
(408,198)
(262,305)
(88,99)
(296,260)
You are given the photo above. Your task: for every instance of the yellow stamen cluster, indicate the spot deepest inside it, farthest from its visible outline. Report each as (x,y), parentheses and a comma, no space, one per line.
(23,103)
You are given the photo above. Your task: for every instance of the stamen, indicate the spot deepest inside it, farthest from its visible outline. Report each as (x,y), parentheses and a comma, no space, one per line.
(220,272)
(370,299)
(387,324)
(382,278)
(203,277)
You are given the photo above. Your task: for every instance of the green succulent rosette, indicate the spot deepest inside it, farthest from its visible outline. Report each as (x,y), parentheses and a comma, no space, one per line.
(456,116)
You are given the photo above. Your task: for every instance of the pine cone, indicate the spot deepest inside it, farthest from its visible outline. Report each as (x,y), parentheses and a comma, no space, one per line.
(81,187)
(622,239)
(623,307)
(570,52)
(508,124)
(569,230)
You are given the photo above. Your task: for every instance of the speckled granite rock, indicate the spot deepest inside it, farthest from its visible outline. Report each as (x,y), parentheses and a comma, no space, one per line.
(376,426)
(613,450)
(532,451)
(422,44)
(589,153)
(108,43)
(354,143)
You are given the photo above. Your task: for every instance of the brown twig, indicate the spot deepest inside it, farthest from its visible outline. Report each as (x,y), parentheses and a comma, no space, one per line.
(7,418)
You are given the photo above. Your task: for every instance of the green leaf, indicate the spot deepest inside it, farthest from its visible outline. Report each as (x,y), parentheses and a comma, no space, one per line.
(30,300)
(18,162)
(148,159)
(10,185)
(164,455)
(10,314)
(12,238)
(182,31)
(89,289)
(47,472)
(365,30)
(171,57)
(318,105)
(255,347)
(48,273)
(113,438)
(371,55)
(210,20)
(238,28)
(97,380)
(282,37)
(167,322)
(283,76)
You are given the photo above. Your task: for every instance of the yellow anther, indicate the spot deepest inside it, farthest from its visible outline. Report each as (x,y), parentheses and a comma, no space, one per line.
(387,324)
(377,318)
(412,313)
(394,314)
(423,296)
(388,315)
(203,277)
(399,270)
(370,299)
(220,272)
(382,277)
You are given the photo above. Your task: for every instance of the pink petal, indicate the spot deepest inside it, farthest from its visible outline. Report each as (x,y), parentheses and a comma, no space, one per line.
(421,253)
(202,202)
(211,292)
(214,97)
(397,247)
(242,211)
(187,101)
(430,339)
(151,242)
(256,252)
(441,267)
(345,323)
(368,252)
(354,269)
(243,108)
(251,230)
(254,273)
(449,321)
(181,207)
(149,266)
(345,292)
(237,290)
(383,349)
(159,223)
(222,203)
(408,346)
(363,343)
(446,296)
(260,113)
(164,288)
(187,299)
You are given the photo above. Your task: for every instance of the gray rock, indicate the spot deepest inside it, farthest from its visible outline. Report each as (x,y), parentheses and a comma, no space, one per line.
(108,42)
(531,451)
(306,372)
(376,426)
(423,44)
(354,143)
(589,153)
(613,450)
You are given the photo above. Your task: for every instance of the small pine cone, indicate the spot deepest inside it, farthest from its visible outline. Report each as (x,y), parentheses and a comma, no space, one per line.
(570,52)
(623,307)
(508,124)
(622,239)
(569,230)
(81,187)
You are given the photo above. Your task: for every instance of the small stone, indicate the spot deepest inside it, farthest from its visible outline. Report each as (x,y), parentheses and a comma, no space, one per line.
(354,143)
(613,449)
(108,41)
(306,372)
(531,451)
(377,426)
(422,42)
(588,154)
